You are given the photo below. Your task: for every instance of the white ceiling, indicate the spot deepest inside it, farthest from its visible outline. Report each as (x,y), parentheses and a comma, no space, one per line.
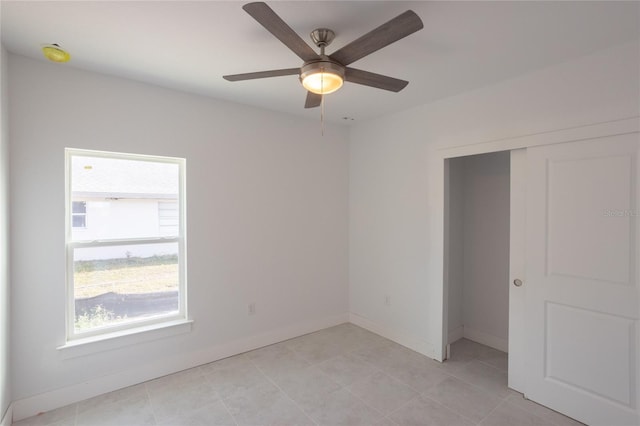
(190,45)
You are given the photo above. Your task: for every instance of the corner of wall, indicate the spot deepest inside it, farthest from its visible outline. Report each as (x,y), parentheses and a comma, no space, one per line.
(7,417)
(402,337)
(5,305)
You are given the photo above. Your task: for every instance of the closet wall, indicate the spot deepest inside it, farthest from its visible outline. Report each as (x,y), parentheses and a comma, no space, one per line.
(479,248)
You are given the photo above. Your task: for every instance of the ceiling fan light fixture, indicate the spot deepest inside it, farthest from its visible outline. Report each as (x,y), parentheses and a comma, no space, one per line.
(323,74)
(322,77)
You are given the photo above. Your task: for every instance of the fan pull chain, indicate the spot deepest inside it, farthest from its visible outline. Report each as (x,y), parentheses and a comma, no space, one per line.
(322,115)
(322,103)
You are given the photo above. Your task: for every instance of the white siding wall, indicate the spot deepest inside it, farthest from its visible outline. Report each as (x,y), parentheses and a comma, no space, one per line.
(168,218)
(124,218)
(119,219)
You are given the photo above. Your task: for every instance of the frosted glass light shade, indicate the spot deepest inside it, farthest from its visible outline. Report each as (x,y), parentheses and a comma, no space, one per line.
(322,77)
(322,82)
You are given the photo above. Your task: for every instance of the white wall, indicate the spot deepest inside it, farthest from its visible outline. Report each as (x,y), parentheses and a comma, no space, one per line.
(454,219)
(266,215)
(486,210)
(5,366)
(395,177)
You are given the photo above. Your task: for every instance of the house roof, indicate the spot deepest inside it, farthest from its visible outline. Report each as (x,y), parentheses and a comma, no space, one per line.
(123,178)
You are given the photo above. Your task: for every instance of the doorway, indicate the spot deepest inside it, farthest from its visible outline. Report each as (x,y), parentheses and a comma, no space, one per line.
(477,258)
(573,333)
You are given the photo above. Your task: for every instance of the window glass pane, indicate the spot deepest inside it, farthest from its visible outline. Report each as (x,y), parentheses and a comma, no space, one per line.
(124,283)
(79,221)
(79,207)
(123,197)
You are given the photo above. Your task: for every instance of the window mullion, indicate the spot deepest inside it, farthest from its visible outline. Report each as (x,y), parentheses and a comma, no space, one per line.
(123,242)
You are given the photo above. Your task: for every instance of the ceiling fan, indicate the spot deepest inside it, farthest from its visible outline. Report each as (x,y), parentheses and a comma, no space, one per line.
(322,74)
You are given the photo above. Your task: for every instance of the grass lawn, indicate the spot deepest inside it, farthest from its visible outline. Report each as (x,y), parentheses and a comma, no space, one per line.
(125,276)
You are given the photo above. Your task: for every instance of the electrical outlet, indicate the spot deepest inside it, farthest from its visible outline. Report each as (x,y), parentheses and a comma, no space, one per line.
(252,308)
(387,300)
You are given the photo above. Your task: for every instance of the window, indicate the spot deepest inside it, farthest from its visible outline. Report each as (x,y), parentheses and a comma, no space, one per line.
(79,214)
(127,269)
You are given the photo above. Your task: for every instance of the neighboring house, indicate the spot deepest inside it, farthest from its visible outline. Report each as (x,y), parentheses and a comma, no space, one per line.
(103,210)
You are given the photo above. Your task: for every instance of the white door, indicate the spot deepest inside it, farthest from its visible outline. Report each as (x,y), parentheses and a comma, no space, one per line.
(581,293)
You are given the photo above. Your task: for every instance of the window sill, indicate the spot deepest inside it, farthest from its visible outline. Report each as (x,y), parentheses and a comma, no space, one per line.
(118,339)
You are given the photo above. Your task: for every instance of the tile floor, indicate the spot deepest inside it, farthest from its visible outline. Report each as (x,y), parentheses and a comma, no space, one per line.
(343,375)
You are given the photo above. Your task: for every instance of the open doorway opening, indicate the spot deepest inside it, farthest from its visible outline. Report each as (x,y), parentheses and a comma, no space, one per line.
(477,216)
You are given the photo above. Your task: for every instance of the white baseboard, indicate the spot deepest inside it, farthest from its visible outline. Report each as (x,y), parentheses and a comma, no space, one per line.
(401,337)
(455,334)
(47,401)
(7,418)
(486,339)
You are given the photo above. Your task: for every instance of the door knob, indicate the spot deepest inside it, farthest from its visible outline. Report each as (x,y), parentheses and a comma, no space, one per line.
(517,282)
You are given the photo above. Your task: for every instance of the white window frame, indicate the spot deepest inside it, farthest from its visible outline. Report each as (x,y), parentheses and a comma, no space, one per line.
(141,324)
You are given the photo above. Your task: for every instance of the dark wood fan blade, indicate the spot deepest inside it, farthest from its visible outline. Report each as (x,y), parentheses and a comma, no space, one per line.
(313,100)
(283,32)
(399,27)
(374,80)
(261,74)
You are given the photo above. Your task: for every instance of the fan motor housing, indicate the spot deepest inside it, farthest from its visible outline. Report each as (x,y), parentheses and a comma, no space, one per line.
(321,66)
(322,37)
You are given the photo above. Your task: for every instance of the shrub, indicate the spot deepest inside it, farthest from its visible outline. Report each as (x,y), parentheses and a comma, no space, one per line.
(96,317)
